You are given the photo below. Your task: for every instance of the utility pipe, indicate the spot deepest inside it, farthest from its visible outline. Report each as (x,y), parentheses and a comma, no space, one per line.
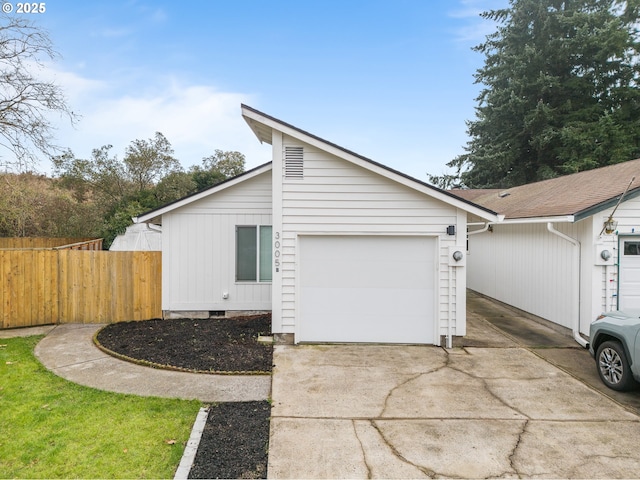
(576,284)
(449,343)
(606,289)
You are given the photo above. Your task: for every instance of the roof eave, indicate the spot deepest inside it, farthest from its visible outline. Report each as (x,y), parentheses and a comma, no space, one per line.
(153,215)
(612,202)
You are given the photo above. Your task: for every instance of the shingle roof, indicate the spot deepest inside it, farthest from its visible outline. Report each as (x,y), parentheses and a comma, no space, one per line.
(472,194)
(579,195)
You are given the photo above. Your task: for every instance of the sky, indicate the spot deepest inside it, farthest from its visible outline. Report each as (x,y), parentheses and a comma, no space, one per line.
(392,80)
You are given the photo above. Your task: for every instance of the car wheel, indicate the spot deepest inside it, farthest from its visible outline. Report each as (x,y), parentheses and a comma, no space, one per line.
(613,366)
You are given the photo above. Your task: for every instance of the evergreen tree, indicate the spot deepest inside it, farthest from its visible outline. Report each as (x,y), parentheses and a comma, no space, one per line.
(560,93)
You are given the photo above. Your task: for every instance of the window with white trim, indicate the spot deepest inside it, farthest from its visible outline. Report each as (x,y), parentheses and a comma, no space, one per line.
(253,253)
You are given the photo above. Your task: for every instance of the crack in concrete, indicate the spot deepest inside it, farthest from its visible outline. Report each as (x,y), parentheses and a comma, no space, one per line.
(512,455)
(364,452)
(399,385)
(411,379)
(488,389)
(428,472)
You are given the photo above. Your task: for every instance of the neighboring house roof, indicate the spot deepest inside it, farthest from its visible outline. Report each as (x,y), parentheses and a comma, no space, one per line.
(472,194)
(263,126)
(569,198)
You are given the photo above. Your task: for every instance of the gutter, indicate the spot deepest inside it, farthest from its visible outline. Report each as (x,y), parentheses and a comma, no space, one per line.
(480,230)
(547,220)
(576,284)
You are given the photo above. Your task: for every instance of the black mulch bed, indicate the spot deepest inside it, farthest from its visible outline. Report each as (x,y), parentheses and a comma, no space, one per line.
(209,345)
(235,440)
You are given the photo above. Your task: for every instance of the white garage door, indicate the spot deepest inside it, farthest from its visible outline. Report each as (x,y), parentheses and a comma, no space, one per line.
(629,268)
(367,289)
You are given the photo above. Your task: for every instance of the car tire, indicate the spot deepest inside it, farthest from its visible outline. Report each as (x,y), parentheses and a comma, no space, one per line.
(613,366)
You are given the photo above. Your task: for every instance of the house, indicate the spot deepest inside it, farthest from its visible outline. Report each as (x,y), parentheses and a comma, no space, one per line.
(338,247)
(554,255)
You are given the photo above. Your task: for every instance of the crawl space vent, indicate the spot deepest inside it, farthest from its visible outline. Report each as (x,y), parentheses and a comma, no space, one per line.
(293,162)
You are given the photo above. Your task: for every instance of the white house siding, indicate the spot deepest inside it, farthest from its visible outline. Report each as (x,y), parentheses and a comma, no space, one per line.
(198,250)
(527,267)
(628,217)
(338,197)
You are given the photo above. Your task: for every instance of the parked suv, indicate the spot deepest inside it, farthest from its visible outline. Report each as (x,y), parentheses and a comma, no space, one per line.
(615,345)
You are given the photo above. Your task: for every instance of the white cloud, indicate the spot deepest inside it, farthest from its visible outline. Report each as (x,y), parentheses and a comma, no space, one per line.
(474,29)
(196,119)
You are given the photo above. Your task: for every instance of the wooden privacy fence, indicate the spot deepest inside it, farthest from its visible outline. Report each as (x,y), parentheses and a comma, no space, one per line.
(41,287)
(71,243)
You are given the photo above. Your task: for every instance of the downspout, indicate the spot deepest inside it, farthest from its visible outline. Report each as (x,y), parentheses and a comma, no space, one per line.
(576,282)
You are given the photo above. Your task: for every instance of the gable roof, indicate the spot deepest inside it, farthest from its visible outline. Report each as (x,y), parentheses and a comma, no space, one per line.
(568,198)
(263,126)
(154,216)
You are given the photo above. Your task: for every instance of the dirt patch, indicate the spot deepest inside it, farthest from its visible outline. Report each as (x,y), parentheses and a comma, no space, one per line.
(228,345)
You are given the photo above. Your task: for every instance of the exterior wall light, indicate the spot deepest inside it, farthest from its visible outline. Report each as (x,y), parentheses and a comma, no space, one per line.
(610,226)
(457,255)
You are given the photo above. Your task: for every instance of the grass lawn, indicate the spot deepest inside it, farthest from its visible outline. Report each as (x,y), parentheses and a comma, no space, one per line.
(51,428)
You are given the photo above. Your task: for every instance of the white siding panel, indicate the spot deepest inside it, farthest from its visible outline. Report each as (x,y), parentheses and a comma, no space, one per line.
(337,197)
(199,256)
(527,267)
(628,216)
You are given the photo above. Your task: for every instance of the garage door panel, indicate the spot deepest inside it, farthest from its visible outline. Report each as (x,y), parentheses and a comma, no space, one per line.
(367,289)
(629,274)
(358,301)
(355,308)
(347,274)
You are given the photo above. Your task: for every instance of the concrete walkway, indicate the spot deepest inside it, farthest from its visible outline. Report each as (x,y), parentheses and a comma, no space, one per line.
(68,351)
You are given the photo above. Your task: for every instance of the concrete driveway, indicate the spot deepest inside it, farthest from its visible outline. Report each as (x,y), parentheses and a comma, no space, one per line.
(490,407)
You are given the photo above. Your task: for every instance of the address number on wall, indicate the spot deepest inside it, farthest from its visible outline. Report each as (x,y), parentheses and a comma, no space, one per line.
(276,251)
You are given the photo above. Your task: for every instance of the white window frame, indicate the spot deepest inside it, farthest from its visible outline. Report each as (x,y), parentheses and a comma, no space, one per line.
(258,245)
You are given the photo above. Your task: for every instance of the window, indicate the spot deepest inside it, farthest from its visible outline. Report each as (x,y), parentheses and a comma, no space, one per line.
(632,248)
(253,253)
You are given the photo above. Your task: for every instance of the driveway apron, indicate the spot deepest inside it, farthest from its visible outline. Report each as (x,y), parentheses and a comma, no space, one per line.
(490,407)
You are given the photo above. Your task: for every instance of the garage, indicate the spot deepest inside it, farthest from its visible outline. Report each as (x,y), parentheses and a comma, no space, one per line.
(629,268)
(378,289)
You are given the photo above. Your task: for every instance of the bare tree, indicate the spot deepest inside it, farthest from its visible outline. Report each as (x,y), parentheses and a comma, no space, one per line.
(26,100)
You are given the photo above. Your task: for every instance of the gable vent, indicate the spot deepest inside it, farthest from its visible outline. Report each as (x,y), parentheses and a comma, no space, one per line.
(293,162)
